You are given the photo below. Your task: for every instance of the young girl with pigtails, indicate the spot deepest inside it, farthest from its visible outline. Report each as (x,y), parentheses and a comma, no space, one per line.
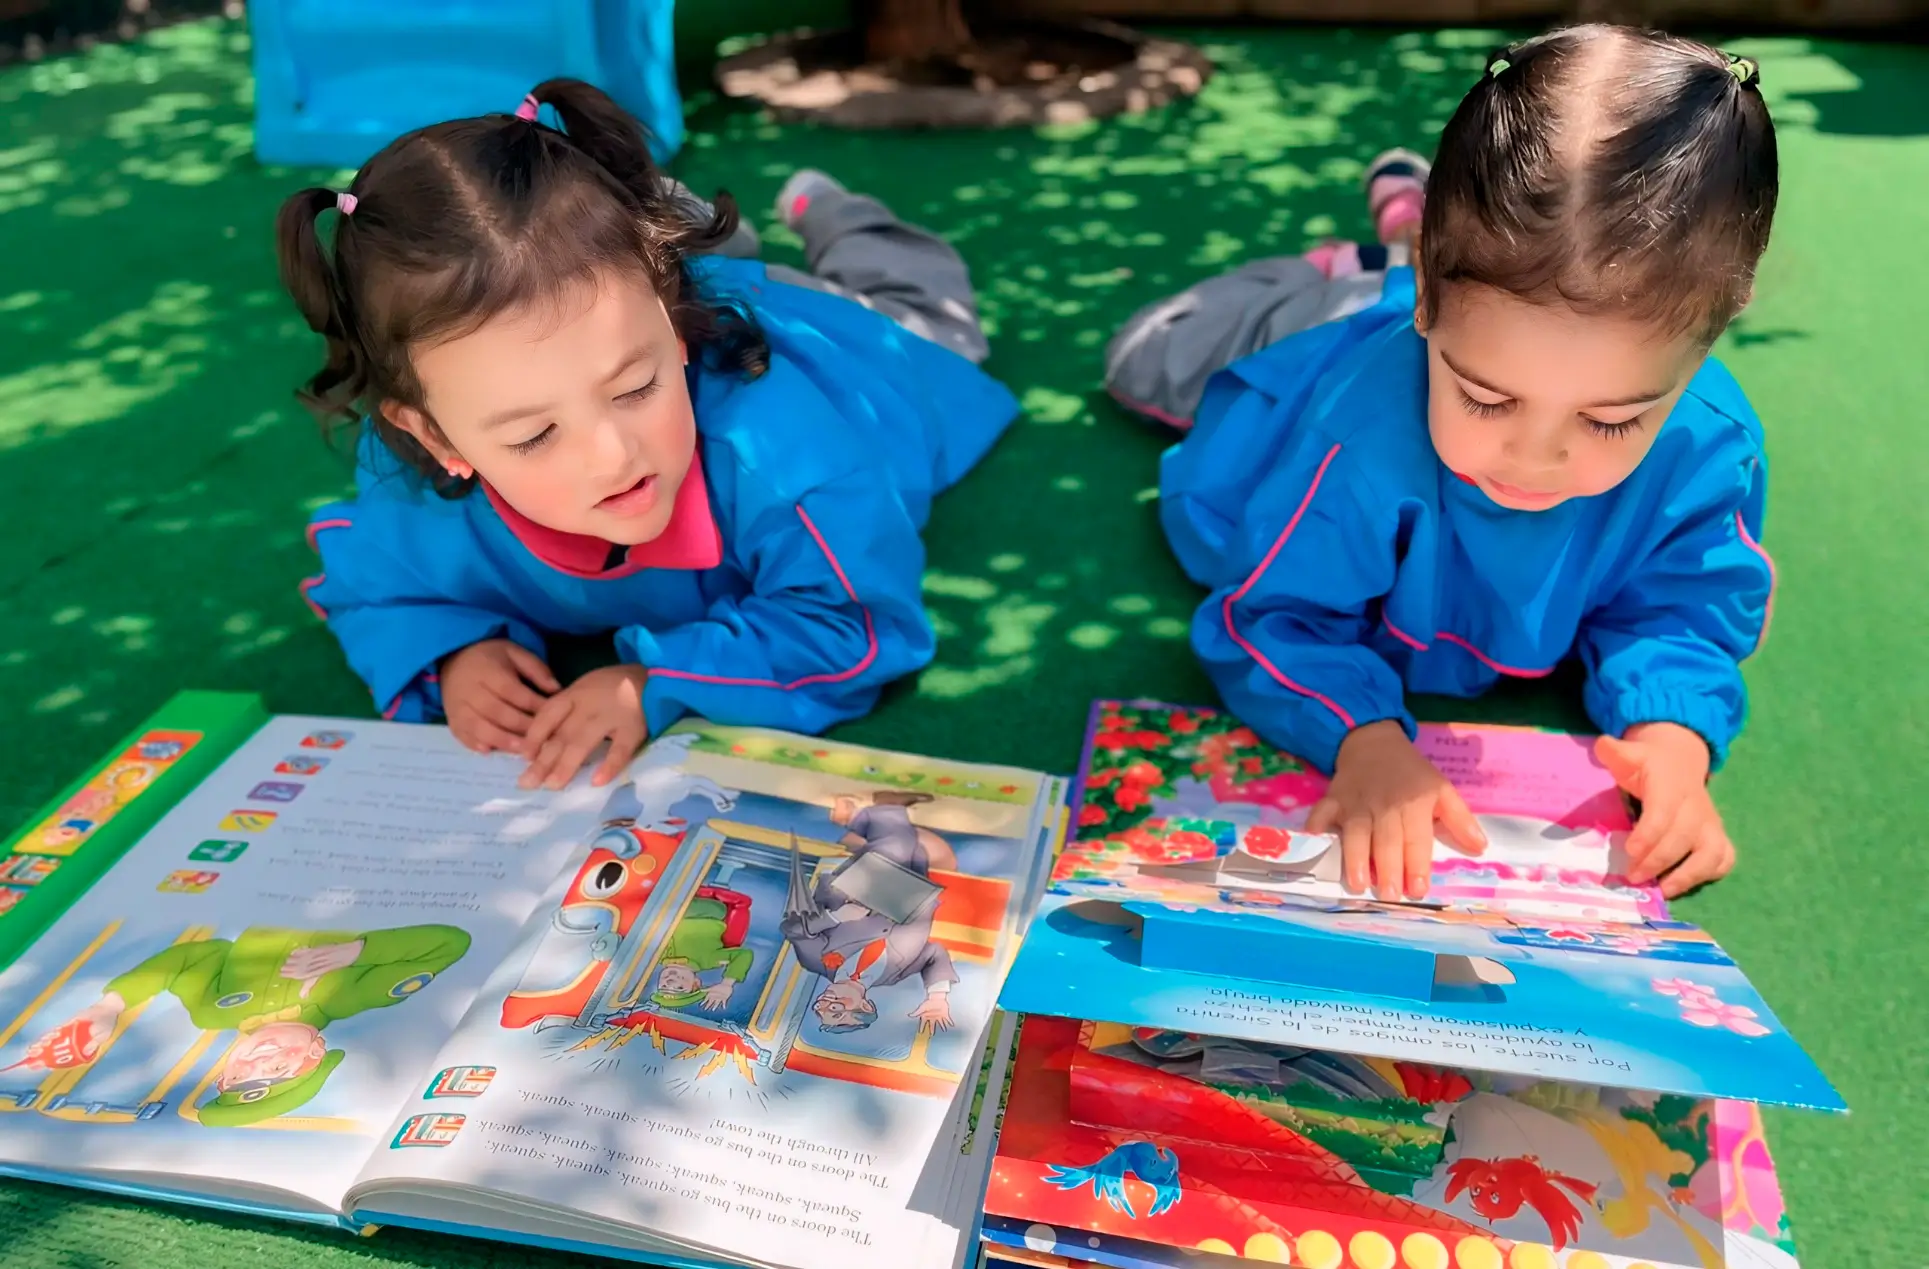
(580,412)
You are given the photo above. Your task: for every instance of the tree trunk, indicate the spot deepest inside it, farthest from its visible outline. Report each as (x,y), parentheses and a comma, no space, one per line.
(912,31)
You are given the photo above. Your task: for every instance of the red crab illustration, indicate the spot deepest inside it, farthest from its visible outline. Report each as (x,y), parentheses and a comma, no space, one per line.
(1499,1188)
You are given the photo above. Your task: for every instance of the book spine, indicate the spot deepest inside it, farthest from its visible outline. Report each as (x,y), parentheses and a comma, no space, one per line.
(73,839)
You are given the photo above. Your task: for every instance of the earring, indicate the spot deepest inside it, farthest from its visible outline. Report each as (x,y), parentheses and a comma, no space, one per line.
(461,471)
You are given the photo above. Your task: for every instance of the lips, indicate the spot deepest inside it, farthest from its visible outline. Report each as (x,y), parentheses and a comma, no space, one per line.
(634,501)
(1517,494)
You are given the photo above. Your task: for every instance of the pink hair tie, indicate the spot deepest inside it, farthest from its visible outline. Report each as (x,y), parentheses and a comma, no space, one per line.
(345,204)
(528,108)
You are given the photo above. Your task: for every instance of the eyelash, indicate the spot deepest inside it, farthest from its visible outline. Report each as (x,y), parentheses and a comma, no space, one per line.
(1613,431)
(1493,409)
(1484,409)
(535,442)
(541,438)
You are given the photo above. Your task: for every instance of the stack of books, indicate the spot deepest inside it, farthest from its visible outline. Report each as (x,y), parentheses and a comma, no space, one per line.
(1223,1054)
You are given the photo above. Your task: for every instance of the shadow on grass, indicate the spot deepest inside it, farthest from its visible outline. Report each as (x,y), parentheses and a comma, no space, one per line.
(1889,96)
(164,501)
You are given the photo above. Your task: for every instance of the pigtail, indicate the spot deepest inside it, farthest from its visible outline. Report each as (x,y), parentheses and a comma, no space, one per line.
(1754,132)
(616,140)
(310,278)
(720,328)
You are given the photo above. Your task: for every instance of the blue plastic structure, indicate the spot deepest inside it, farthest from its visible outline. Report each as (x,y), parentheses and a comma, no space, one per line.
(336,80)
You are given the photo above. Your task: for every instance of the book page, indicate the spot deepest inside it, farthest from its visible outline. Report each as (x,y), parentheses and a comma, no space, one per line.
(749,1015)
(1181,805)
(1175,907)
(255,987)
(1113,1133)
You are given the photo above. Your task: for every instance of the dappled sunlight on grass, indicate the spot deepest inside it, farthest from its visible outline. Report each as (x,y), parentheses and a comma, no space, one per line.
(157,473)
(144,329)
(1068,230)
(134,358)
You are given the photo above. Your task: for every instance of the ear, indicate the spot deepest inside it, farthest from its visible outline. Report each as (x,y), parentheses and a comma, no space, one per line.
(408,419)
(1419,297)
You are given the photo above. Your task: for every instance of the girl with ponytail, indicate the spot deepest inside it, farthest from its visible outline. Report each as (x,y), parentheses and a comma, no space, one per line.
(1512,452)
(578,410)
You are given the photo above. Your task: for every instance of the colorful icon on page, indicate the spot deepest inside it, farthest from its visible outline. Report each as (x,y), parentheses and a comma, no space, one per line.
(187,882)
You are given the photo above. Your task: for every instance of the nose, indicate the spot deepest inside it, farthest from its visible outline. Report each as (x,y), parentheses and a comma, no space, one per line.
(1538,442)
(614,451)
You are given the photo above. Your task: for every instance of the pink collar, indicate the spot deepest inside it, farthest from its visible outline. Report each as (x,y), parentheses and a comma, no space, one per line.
(690,541)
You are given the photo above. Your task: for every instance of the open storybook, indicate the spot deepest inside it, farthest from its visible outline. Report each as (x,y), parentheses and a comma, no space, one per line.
(1228,1055)
(735,1007)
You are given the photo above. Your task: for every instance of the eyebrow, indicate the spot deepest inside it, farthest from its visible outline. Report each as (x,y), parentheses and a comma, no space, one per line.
(1639,398)
(624,365)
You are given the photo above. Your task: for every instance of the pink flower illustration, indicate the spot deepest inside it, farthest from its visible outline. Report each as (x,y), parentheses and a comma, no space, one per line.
(1708,1012)
(1686,990)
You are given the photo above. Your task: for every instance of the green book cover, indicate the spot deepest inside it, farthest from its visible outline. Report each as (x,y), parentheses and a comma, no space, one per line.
(53,858)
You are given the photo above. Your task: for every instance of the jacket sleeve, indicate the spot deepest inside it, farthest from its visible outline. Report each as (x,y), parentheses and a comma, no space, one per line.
(1283,633)
(394,622)
(833,612)
(1668,646)
(1247,414)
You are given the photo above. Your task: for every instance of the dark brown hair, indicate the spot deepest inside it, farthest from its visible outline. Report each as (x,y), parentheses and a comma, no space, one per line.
(459,222)
(1609,168)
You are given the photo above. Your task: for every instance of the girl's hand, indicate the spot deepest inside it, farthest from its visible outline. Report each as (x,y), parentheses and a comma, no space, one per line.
(605,704)
(1385,798)
(487,694)
(1666,766)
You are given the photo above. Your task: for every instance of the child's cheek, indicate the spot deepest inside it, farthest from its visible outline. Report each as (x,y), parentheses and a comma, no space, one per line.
(1457,439)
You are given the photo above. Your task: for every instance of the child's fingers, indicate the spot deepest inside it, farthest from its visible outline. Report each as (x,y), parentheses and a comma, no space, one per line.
(1324,817)
(504,713)
(531,667)
(1462,828)
(1666,846)
(1709,861)
(1416,833)
(624,742)
(1658,814)
(547,720)
(509,688)
(578,741)
(1389,855)
(484,736)
(543,761)
(540,744)
(1356,850)
(1624,762)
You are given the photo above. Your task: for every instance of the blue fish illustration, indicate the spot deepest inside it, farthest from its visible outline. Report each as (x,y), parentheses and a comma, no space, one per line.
(1156,1166)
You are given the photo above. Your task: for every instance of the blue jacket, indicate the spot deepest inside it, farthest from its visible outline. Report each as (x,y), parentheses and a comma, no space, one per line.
(1347,563)
(786,592)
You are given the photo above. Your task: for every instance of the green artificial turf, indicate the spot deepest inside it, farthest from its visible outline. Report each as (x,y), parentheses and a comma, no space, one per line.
(155,476)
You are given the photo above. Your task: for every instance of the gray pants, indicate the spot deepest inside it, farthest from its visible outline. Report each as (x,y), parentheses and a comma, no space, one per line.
(855,247)
(1160,360)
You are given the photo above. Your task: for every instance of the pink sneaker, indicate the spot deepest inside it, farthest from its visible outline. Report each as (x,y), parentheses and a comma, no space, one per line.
(795,197)
(1335,259)
(1396,195)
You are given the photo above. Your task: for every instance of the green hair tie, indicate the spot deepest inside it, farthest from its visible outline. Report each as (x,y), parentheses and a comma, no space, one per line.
(1500,64)
(1746,70)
